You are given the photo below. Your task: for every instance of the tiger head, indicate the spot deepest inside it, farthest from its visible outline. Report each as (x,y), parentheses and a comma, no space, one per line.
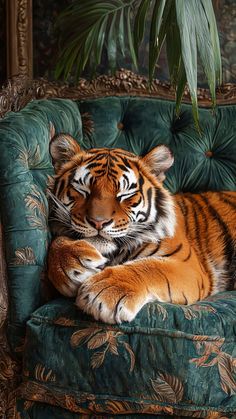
(110,197)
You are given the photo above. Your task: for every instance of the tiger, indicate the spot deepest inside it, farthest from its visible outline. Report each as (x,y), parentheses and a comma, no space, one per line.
(122,240)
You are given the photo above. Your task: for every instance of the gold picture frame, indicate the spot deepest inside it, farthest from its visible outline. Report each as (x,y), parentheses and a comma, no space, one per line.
(19,38)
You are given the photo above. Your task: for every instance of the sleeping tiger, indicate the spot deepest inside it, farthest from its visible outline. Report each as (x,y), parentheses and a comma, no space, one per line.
(122,240)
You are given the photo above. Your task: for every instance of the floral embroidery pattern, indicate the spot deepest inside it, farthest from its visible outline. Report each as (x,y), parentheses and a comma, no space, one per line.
(42,374)
(116,407)
(34,203)
(212,355)
(167,388)
(87,403)
(24,256)
(191,312)
(30,157)
(107,340)
(195,310)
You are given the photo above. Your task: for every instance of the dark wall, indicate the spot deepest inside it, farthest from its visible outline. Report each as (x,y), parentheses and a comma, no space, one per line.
(45,46)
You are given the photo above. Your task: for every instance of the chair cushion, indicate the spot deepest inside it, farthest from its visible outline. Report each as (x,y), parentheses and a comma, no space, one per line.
(171,359)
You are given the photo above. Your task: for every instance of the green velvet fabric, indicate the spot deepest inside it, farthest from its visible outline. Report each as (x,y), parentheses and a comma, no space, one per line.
(163,338)
(170,359)
(24,170)
(148,122)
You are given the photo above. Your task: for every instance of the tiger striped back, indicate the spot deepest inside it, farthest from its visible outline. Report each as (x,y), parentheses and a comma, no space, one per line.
(148,245)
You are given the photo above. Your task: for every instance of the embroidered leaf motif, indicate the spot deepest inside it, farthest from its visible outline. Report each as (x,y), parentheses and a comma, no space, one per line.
(122,407)
(116,407)
(30,157)
(203,308)
(35,204)
(97,338)
(34,157)
(211,355)
(97,359)
(217,340)
(64,321)
(188,313)
(157,309)
(168,388)
(81,336)
(34,201)
(196,310)
(112,344)
(42,375)
(162,311)
(24,256)
(132,356)
(226,365)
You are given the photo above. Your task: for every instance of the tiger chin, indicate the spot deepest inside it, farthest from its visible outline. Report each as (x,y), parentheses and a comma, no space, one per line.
(122,240)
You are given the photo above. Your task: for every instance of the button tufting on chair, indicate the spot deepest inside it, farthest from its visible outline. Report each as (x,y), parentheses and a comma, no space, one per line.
(209,153)
(120,125)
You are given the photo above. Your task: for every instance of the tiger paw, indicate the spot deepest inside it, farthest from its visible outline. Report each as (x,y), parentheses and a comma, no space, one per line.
(113,295)
(70,262)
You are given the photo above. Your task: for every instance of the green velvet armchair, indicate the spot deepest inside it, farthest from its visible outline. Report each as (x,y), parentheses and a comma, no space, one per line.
(171,361)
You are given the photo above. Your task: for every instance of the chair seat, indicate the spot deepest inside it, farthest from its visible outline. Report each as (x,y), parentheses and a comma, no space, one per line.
(171,359)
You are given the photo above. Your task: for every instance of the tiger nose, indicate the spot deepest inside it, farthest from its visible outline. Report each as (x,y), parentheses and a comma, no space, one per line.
(98,222)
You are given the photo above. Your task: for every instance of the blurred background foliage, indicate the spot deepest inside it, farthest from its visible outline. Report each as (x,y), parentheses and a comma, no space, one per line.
(45,42)
(46,45)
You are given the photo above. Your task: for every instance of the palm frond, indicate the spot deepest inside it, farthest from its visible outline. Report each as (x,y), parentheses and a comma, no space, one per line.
(155,43)
(187,30)
(90,27)
(140,23)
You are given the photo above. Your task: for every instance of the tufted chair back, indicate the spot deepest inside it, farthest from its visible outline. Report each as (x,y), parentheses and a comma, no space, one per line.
(205,161)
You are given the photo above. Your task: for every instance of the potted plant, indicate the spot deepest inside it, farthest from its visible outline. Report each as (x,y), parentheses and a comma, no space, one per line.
(89,27)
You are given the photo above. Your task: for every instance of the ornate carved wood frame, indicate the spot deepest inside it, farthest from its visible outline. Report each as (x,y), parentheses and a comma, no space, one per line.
(22,88)
(19,38)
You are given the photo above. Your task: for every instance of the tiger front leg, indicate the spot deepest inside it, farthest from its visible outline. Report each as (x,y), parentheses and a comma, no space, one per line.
(118,293)
(70,262)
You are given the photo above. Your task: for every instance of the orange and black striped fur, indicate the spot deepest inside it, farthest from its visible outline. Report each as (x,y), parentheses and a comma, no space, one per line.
(123,240)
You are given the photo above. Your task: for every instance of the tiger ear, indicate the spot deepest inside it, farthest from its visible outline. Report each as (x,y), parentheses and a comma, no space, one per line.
(158,161)
(62,148)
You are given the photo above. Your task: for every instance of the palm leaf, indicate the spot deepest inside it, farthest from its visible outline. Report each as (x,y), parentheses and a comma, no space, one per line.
(180,85)
(210,60)
(121,33)
(174,56)
(89,27)
(154,42)
(139,23)
(214,39)
(187,29)
(130,37)
(173,47)
(112,45)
